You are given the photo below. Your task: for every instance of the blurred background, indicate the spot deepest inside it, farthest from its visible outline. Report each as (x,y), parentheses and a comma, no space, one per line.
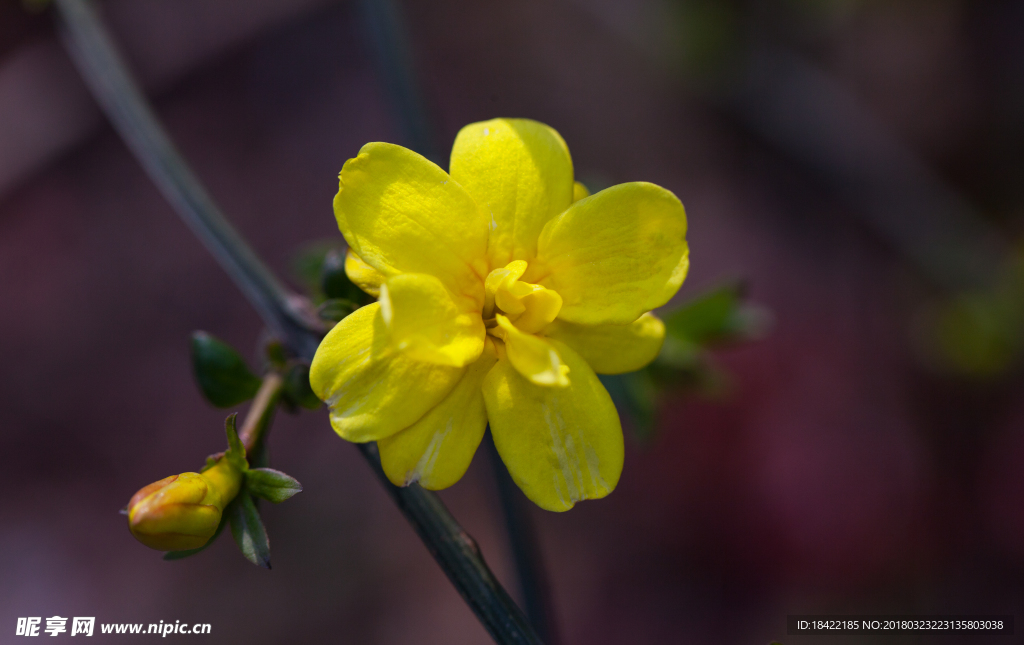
(858,164)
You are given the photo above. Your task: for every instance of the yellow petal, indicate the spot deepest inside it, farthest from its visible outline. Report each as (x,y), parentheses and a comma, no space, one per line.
(501,278)
(613,349)
(675,280)
(614,255)
(427,324)
(372,390)
(541,307)
(534,357)
(436,450)
(362,274)
(561,445)
(402,214)
(510,300)
(579,191)
(520,172)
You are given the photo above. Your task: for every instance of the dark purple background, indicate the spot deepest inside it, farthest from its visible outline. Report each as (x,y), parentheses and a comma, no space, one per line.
(836,475)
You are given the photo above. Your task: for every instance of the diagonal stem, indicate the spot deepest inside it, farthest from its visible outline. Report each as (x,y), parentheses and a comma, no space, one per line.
(386,29)
(107,76)
(534,588)
(120,97)
(384,25)
(253,433)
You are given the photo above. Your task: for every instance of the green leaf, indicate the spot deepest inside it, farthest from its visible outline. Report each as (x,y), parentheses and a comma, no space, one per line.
(307,265)
(336,309)
(248,531)
(717,315)
(178,555)
(271,485)
(680,354)
(235,453)
(334,281)
(297,389)
(223,377)
(276,353)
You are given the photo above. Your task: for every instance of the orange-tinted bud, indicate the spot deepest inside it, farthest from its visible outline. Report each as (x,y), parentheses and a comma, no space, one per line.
(179,512)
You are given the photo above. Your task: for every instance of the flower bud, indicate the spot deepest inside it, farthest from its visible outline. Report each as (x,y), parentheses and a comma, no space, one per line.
(182,511)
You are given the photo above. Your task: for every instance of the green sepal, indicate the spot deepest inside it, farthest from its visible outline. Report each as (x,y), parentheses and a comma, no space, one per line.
(178,555)
(223,377)
(248,531)
(336,309)
(211,461)
(235,453)
(271,485)
(297,390)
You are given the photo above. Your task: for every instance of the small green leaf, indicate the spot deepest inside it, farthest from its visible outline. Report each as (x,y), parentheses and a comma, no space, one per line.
(680,354)
(336,309)
(334,281)
(235,453)
(706,317)
(276,353)
(307,265)
(248,531)
(297,389)
(271,485)
(178,555)
(716,316)
(224,378)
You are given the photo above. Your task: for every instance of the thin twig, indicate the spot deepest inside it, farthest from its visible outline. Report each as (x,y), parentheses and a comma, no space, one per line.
(534,587)
(118,94)
(387,32)
(257,420)
(108,78)
(460,556)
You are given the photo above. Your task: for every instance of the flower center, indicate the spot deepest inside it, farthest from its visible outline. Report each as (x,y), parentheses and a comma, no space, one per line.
(530,307)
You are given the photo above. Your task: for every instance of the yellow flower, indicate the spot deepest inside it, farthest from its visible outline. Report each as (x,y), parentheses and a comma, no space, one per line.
(503,287)
(183,511)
